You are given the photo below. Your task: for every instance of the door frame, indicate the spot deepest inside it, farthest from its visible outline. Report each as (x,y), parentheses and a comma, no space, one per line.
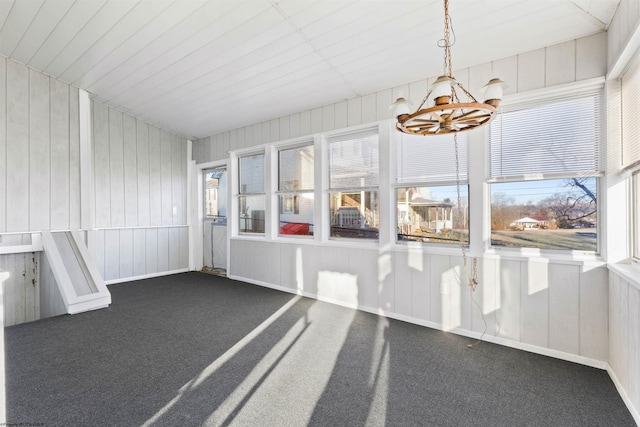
(197,215)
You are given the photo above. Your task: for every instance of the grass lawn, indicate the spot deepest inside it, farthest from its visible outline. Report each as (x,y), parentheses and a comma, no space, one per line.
(584,239)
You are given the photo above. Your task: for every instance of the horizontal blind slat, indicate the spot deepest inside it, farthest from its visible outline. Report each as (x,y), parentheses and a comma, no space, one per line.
(630,94)
(559,136)
(431,158)
(354,160)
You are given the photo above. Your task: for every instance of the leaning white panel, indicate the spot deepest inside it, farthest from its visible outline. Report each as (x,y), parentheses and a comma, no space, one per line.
(79,281)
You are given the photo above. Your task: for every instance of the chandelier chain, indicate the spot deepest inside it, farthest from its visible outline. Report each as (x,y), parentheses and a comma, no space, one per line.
(447,43)
(447,113)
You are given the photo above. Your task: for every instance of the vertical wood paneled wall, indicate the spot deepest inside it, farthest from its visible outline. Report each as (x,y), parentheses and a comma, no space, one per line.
(140,197)
(140,172)
(39,151)
(622,26)
(123,253)
(554,308)
(139,182)
(624,337)
(22,288)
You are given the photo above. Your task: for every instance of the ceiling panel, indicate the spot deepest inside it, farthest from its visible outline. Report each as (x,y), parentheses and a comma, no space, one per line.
(97,27)
(175,34)
(141,40)
(222,52)
(231,30)
(131,23)
(199,67)
(18,20)
(65,30)
(43,24)
(210,87)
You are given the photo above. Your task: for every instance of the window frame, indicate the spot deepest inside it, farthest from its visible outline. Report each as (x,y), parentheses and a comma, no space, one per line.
(538,98)
(295,194)
(430,184)
(240,194)
(218,219)
(461,177)
(328,190)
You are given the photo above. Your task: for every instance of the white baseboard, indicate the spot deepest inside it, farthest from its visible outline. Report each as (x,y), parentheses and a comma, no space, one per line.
(145,276)
(623,394)
(557,354)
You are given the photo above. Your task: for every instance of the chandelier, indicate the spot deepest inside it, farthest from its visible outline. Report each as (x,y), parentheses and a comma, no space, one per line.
(448,114)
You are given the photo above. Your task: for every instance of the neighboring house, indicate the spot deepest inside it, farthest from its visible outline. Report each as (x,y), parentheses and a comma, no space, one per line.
(531,222)
(422,212)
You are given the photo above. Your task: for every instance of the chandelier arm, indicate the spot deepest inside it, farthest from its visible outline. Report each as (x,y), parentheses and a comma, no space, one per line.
(447,113)
(424,100)
(466,92)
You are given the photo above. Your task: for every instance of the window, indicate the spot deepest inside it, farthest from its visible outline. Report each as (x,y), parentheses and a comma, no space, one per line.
(251,198)
(543,173)
(295,190)
(353,185)
(630,97)
(630,108)
(548,214)
(430,205)
(215,195)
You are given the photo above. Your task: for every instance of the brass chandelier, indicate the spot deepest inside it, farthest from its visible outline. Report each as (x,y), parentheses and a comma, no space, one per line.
(448,114)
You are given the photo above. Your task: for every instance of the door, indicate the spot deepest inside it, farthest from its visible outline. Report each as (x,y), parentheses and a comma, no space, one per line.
(215,220)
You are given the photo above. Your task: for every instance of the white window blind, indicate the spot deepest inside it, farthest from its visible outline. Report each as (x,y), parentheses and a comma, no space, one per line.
(252,174)
(431,158)
(353,160)
(295,168)
(630,84)
(553,136)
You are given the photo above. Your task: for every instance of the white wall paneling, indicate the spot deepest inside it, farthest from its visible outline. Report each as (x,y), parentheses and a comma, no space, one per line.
(130,253)
(61,148)
(130,173)
(140,196)
(21,288)
(17,148)
(550,307)
(624,338)
(39,151)
(39,133)
(51,302)
(140,172)
(116,168)
(3,143)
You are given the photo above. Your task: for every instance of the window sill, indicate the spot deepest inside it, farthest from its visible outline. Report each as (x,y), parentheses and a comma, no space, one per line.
(564,257)
(629,271)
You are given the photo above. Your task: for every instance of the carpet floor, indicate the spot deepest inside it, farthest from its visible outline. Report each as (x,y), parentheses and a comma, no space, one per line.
(200,350)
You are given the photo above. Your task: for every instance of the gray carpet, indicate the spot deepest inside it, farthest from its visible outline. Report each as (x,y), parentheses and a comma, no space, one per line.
(195,349)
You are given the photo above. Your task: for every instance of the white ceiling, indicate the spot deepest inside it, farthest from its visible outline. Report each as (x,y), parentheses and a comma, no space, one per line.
(199,67)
